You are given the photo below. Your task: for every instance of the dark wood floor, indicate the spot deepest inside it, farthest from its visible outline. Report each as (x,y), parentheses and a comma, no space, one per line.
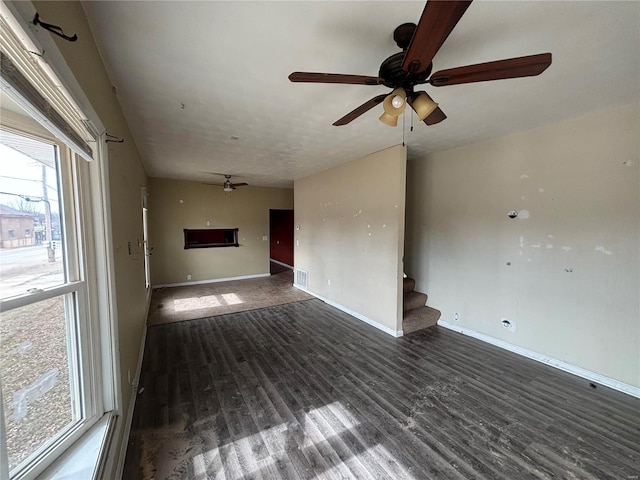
(304,391)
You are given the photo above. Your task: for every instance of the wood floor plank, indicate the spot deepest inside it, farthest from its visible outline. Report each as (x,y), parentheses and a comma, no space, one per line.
(306,435)
(435,458)
(302,391)
(528,399)
(322,374)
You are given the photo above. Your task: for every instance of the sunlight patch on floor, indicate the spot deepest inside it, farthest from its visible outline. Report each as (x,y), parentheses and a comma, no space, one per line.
(316,419)
(207,301)
(231,299)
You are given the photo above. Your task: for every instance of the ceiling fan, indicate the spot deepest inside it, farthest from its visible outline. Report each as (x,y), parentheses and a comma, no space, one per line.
(405,70)
(227,186)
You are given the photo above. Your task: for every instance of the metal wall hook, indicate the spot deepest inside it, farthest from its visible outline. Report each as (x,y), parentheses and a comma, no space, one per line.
(56,30)
(113,138)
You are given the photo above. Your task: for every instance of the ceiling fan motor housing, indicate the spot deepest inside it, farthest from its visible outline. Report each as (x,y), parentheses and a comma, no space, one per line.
(391,70)
(394,76)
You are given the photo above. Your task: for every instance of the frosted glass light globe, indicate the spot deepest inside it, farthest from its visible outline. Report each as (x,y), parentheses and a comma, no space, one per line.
(397,101)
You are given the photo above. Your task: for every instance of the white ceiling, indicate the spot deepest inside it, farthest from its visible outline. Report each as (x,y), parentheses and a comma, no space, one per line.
(192,76)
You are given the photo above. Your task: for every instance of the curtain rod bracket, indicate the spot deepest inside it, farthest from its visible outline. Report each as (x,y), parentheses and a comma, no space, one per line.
(113,138)
(56,30)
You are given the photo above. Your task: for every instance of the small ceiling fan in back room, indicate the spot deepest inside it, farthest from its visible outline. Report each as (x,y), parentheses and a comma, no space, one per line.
(405,70)
(227,186)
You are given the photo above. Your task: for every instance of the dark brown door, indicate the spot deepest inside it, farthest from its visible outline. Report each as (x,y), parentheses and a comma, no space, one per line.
(281,236)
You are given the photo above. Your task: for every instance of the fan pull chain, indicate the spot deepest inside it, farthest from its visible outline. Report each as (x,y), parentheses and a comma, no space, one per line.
(411,123)
(403,115)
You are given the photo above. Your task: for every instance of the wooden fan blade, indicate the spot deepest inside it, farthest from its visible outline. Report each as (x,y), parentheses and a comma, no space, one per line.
(239,184)
(310,77)
(355,113)
(436,23)
(528,66)
(214,184)
(434,117)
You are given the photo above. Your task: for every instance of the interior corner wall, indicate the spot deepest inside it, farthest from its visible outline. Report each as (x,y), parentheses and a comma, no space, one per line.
(350,234)
(565,271)
(126,178)
(175,205)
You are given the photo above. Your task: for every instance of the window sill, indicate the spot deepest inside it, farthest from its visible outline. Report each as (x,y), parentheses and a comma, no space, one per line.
(83,458)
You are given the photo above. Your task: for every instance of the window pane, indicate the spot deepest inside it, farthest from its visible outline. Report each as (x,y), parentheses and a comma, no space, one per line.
(38,396)
(31,256)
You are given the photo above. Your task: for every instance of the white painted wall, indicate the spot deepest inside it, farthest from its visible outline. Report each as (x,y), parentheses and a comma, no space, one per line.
(351,234)
(572,285)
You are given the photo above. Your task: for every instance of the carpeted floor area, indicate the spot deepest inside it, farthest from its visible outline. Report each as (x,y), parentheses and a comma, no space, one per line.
(176,304)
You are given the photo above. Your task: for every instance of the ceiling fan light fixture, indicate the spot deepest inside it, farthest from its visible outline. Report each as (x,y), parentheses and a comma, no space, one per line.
(391,120)
(424,106)
(395,103)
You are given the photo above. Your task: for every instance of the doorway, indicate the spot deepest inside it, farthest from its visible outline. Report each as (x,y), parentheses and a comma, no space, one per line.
(280,240)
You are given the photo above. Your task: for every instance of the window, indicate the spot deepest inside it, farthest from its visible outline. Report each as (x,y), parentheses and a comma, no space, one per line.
(146,250)
(44,332)
(57,350)
(211,237)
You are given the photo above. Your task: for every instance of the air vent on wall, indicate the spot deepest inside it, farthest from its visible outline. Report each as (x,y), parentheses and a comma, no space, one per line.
(301,278)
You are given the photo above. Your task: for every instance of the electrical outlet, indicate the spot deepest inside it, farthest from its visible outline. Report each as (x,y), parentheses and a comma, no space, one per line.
(189,277)
(328,281)
(456,316)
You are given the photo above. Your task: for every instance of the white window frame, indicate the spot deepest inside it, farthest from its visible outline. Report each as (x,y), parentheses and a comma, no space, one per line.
(96,247)
(83,283)
(146,250)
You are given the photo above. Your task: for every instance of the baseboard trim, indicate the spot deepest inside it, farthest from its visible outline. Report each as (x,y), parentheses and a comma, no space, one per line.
(553,362)
(214,280)
(281,263)
(353,313)
(132,403)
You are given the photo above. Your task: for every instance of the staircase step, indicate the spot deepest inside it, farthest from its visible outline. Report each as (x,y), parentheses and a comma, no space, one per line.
(413,300)
(419,319)
(408,284)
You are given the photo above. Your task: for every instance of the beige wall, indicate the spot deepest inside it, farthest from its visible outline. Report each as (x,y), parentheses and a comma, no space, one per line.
(351,234)
(175,205)
(126,177)
(578,180)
